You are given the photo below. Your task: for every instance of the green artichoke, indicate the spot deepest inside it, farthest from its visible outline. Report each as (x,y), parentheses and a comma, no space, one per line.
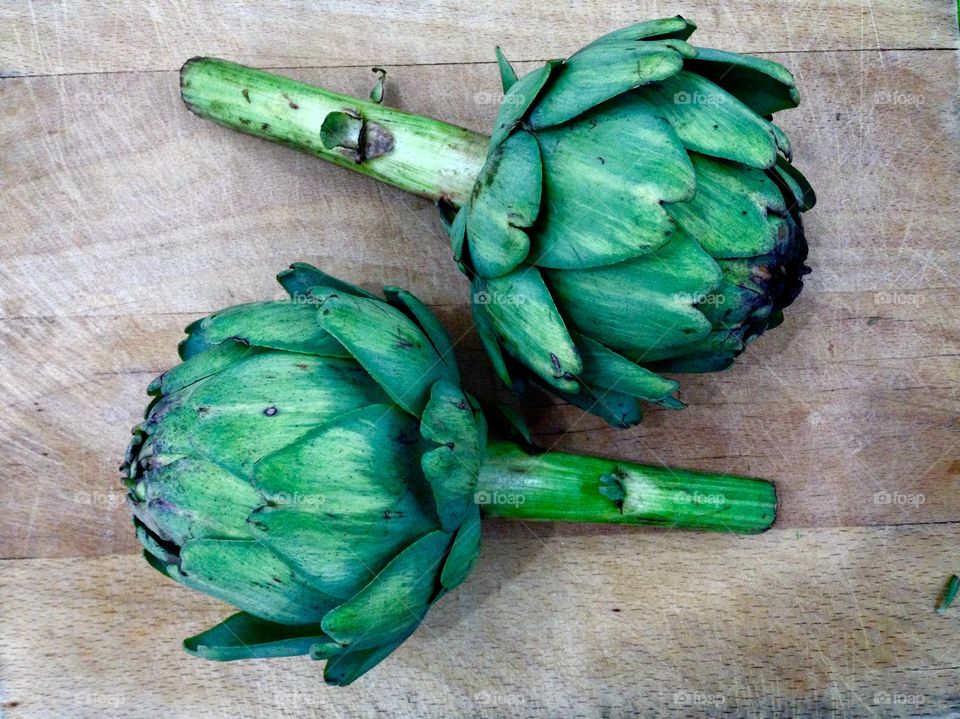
(637,213)
(312,463)
(315,464)
(634,212)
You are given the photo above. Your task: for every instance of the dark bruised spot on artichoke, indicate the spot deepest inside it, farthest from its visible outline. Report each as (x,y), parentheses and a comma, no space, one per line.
(355,137)
(377,141)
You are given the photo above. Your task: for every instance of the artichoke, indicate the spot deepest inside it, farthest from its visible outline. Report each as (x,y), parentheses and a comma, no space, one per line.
(634,212)
(637,212)
(316,464)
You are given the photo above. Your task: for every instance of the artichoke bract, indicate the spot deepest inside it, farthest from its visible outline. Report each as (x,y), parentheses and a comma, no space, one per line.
(635,210)
(315,463)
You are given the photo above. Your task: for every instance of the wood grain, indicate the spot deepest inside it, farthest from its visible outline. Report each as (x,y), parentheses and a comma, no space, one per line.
(93,36)
(826,622)
(123,217)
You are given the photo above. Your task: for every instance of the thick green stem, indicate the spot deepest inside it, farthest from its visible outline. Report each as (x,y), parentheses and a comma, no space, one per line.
(418,154)
(569,488)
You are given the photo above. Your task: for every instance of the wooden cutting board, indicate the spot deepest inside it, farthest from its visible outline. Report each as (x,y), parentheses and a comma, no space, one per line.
(123,218)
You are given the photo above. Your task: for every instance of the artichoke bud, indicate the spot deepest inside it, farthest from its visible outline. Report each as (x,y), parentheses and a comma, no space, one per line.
(312,462)
(637,213)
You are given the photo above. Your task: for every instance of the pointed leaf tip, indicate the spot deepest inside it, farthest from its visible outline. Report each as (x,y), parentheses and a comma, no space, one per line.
(508,75)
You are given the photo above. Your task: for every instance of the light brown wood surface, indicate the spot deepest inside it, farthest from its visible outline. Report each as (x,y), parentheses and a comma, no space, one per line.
(123,218)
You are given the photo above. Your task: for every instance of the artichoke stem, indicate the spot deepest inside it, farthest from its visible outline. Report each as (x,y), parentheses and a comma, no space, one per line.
(552,486)
(426,157)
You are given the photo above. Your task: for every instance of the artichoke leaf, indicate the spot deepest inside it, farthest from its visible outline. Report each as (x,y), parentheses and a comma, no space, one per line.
(606,178)
(249,576)
(505,201)
(244,636)
(301,277)
(718,348)
(783,142)
(157,562)
(605,369)
(697,362)
(676,28)
(488,338)
(525,320)
(346,665)
(257,406)
(453,467)
(794,180)
(395,601)
(734,213)
(466,547)
(376,94)
(508,76)
(731,304)
(762,85)
(155,551)
(388,344)
(518,99)
(371,446)
(711,121)
(509,422)
(603,70)
(457,230)
(199,365)
(186,501)
(643,304)
(421,314)
(616,408)
(345,498)
(480,420)
(285,325)
(339,552)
